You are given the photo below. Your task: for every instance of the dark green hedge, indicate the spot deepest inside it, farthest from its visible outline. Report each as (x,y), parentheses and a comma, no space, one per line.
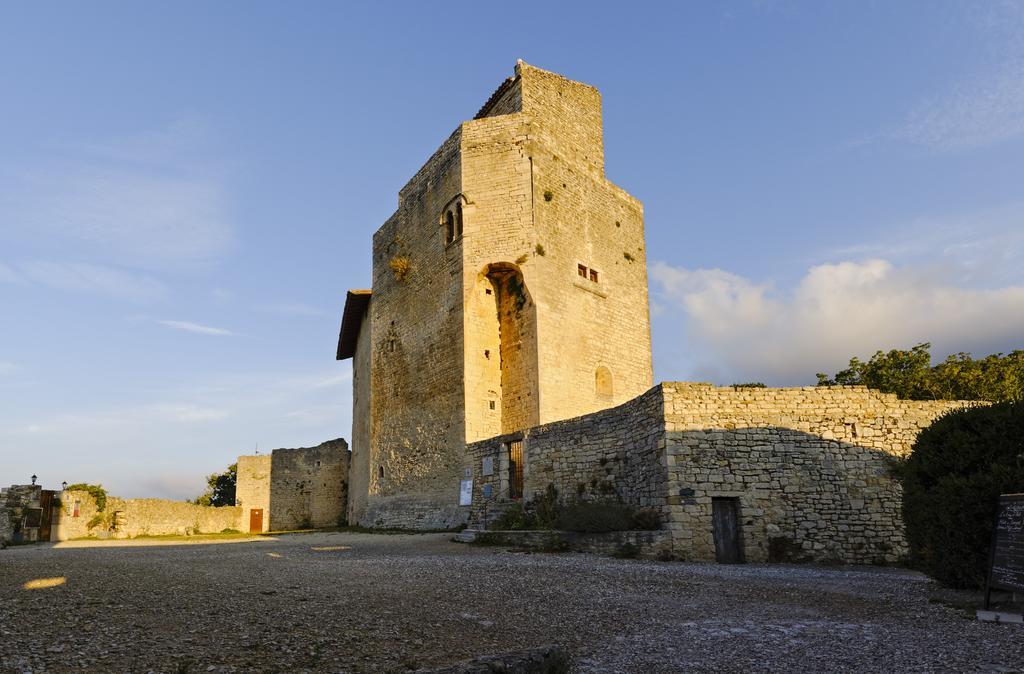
(951,482)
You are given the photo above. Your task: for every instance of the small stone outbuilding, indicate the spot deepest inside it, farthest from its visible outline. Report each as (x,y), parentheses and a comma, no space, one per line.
(305,487)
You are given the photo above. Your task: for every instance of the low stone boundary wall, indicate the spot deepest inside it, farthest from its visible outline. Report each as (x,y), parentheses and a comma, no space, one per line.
(128,518)
(639,543)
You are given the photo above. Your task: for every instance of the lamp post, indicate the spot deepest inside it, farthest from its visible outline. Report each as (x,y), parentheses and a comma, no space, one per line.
(34,478)
(64,485)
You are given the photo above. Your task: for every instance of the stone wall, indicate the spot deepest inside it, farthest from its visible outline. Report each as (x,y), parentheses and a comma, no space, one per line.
(128,518)
(309,486)
(612,454)
(21,513)
(416,432)
(809,467)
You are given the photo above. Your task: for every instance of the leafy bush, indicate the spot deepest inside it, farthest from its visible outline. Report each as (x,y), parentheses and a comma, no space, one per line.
(951,482)
(514,518)
(647,519)
(96,521)
(596,516)
(98,493)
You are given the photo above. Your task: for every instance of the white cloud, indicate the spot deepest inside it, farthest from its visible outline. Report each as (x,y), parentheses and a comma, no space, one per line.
(197,328)
(748,330)
(86,278)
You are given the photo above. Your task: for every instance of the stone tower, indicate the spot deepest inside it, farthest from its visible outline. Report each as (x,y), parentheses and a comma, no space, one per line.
(509,290)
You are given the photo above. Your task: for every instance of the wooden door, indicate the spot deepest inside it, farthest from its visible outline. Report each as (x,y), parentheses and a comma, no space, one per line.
(256,520)
(515,469)
(726,520)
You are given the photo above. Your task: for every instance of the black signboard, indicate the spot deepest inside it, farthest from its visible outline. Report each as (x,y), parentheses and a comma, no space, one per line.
(1006,570)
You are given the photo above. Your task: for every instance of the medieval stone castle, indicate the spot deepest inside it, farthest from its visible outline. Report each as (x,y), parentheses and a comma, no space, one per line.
(504,348)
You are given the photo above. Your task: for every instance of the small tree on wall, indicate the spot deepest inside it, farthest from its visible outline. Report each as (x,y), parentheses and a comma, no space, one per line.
(951,482)
(220,488)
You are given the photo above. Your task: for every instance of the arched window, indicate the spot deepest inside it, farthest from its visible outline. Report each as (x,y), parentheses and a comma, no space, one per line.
(603,382)
(449,227)
(458,220)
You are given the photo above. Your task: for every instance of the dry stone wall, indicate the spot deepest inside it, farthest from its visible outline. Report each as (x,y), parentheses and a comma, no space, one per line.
(809,468)
(611,455)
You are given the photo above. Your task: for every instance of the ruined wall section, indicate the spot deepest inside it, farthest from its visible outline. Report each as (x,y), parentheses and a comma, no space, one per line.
(252,488)
(613,454)
(359,470)
(810,467)
(309,486)
(416,389)
(596,316)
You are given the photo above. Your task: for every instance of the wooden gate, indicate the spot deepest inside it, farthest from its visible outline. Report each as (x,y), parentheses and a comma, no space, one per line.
(46,506)
(725,514)
(256,520)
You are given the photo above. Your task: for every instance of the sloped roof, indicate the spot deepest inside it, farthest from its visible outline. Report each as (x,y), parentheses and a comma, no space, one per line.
(356,302)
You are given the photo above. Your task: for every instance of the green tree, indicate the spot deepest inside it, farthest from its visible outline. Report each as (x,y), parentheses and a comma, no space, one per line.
(220,488)
(951,482)
(910,374)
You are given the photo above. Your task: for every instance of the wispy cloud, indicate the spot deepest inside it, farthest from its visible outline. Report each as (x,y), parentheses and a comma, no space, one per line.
(152,201)
(84,278)
(210,422)
(292,309)
(750,330)
(197,328)
(985,107)
(982,245)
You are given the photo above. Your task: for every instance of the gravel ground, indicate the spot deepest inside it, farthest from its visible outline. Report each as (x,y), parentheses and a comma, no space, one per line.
(343,602)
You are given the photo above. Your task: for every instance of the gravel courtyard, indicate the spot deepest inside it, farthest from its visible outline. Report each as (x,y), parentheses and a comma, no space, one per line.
(358,602)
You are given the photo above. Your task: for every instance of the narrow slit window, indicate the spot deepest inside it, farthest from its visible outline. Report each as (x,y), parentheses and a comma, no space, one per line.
(449,227)
(581,270)
(593,275)
(458,220)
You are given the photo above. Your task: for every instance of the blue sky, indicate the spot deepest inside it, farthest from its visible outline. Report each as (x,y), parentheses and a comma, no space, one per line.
(187,189)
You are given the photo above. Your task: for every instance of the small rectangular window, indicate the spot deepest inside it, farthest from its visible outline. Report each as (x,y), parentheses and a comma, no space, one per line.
(593,275)
(581,270)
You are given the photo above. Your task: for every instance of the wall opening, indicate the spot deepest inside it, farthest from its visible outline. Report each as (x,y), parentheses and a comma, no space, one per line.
(513,332)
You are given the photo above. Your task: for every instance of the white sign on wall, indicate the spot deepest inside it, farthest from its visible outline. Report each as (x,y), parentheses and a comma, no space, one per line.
(488,467)
(466,493)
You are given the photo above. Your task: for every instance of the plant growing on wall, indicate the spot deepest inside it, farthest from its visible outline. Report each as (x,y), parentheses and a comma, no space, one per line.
(96,491)
(400,267)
